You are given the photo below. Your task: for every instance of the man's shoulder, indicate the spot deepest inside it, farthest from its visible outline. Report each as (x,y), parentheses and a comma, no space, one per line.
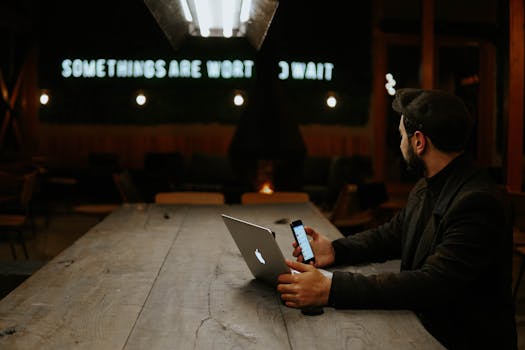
(480,180)
(480,189)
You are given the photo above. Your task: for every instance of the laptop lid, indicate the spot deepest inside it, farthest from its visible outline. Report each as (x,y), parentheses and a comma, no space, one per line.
(258,248)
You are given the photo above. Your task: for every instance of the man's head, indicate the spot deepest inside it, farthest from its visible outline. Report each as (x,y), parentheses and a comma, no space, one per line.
(413,161)
(434,128)
(439,116)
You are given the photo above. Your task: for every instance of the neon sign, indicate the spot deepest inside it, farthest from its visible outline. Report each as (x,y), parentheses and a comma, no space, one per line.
(309,71)
(188,69)
(195,69)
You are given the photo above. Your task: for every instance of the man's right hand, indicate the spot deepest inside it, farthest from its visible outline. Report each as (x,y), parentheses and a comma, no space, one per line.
(322,247)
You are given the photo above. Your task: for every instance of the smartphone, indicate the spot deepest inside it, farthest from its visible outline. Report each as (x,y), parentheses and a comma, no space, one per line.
(302,239)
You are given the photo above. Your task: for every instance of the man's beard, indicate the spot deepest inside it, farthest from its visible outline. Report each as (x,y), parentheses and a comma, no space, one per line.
(414,163)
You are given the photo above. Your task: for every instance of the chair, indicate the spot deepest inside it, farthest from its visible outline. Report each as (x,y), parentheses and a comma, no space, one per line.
(347,214)
(516,201)
(103,163)
(99,181)
(14,220)
(189,197)
(316,172)
(275,197)
(168,167)
(209,173)
(100,210)
(129,193)
(163,172)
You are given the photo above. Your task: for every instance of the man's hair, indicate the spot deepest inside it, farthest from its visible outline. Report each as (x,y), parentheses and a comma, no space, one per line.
(439,115)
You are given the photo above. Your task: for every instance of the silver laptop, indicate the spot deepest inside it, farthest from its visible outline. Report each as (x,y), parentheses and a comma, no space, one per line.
(258,248)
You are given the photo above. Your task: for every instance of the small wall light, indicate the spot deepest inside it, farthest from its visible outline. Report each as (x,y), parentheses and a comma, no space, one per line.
(331,99)
(141,99)
(44,97)
(238,98)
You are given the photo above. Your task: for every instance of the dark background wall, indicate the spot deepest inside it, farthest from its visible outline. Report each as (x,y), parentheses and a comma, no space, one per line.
(127,30)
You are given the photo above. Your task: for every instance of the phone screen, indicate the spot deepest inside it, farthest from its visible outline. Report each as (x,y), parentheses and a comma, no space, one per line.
(302,239)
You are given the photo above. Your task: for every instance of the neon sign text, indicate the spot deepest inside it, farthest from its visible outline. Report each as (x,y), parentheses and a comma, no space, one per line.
(195,69)
(189,69)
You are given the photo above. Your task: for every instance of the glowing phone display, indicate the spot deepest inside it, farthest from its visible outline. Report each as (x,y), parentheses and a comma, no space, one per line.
(302,239)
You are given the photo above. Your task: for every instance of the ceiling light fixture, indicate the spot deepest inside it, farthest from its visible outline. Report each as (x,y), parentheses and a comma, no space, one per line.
(214,18)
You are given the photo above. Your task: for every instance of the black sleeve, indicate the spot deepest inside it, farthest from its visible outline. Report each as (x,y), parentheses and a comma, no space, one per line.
(467,239)
(375,245)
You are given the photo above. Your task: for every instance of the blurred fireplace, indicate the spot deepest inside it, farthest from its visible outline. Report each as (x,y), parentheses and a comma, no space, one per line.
(264,181)
(281,169)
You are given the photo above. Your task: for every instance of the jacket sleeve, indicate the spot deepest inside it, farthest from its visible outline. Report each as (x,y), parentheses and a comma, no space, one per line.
(464,246)
(375,245)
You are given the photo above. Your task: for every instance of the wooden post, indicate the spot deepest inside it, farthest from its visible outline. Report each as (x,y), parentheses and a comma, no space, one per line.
(427,45)
(379,98)
(379,111)
(486,103)
(516,90)
(10,100)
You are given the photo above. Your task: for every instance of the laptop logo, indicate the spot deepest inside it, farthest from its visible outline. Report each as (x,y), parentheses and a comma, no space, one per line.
(259,256)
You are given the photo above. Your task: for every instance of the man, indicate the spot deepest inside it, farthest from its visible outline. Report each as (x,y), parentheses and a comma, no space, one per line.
(453,239)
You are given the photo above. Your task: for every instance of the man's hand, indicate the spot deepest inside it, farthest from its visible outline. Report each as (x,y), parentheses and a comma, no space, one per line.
(322,247)
(308,288)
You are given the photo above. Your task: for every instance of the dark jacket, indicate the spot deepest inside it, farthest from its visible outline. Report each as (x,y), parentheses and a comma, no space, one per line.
(458,278)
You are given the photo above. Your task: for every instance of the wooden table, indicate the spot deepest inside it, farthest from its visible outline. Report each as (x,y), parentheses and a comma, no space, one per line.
(170,277)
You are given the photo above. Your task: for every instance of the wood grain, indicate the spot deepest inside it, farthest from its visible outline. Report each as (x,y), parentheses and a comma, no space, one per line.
(171,277)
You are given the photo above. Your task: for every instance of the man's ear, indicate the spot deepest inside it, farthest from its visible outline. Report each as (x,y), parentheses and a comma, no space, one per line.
(420,142)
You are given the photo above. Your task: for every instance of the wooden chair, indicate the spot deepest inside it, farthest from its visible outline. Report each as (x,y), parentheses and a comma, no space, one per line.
(275,197)
(129,193)
(516,201)
(19,215)
(397,196)
(102,166)
(189,197)
(347,214)
(100,210)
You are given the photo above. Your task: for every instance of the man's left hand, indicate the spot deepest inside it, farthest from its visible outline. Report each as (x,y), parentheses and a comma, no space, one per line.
(307,288)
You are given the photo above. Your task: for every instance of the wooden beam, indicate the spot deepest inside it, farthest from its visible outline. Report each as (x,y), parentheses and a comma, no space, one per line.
(379,111)
(7,115)
(10,99)
(516,91)
(428,46)
(486,127)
